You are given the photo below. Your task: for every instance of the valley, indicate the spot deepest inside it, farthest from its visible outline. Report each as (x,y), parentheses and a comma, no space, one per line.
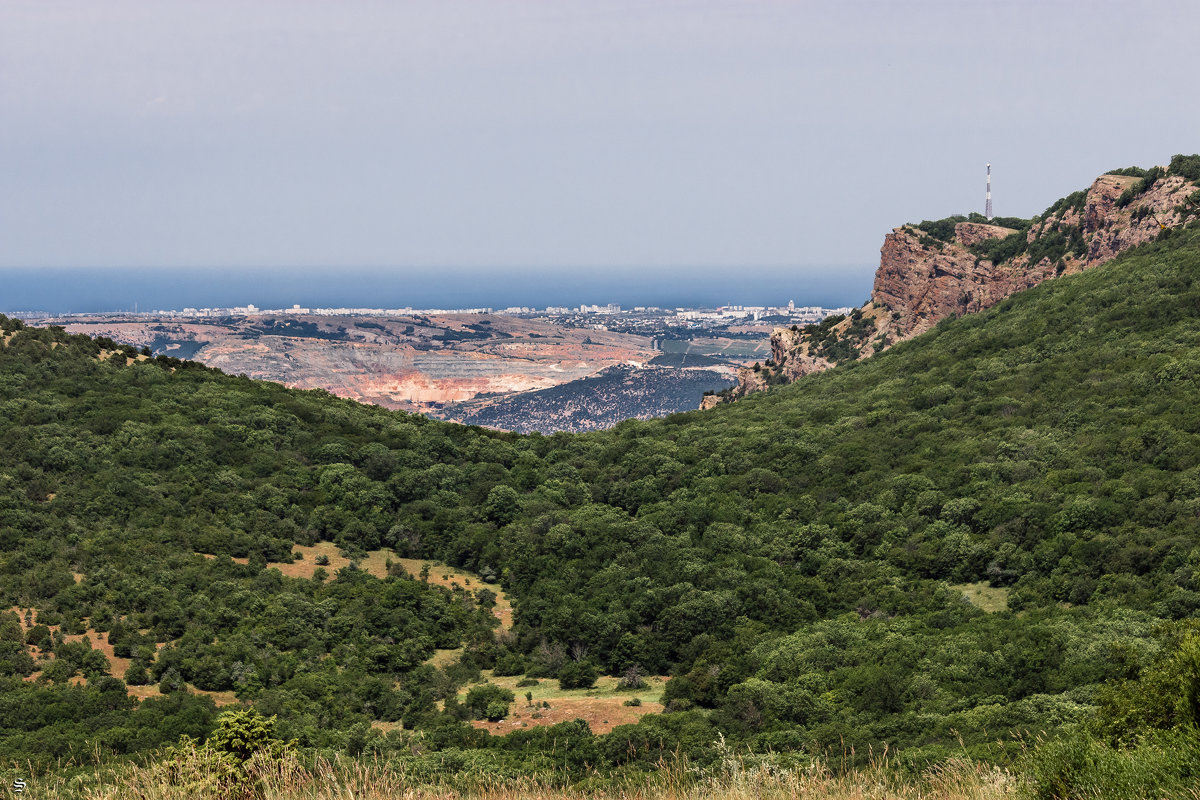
(985,530)
(413,363)
(524,372)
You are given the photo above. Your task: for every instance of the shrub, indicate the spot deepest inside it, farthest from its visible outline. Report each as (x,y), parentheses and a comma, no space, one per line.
(1133,172)
(577,675)
(1076,765)
(942,229)
(1141,187)
(243,733)
(998,250)
(632,679)
(483,699)
(509,663)
(1185,166)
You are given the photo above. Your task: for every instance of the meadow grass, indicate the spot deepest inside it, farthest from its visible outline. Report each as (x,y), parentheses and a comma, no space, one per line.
(194,775)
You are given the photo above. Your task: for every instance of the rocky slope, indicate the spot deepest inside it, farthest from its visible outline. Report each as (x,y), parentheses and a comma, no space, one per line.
(666,385)
(411,363)
(934,270)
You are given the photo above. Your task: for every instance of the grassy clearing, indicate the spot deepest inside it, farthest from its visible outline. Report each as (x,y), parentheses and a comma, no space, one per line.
(193,777)
(602,707)
(987,598)
(444,658)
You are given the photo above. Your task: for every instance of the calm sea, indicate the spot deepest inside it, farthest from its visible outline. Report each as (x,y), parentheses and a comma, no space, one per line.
(94,289)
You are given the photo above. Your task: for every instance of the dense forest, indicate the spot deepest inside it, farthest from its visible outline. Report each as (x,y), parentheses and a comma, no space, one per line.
(986,533)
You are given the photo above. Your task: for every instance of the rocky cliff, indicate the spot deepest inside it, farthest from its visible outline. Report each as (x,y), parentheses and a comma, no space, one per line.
(933,270)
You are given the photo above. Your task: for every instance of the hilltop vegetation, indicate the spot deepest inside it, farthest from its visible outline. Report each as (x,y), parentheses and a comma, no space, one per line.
(963,264)
(797,561)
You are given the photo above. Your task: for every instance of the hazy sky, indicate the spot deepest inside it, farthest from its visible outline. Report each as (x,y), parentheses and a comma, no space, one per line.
(742,133)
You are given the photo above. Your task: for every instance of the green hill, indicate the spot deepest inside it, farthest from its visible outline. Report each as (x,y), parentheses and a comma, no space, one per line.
(961,538)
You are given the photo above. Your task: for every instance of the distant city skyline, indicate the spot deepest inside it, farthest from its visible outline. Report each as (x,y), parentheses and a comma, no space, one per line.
(751,135)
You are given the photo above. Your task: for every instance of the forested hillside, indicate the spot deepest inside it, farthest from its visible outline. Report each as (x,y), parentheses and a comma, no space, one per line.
(957,540)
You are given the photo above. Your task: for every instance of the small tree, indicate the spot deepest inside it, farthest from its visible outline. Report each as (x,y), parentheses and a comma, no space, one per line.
(632,679)
(243,733)
(496,711)
(577,675)
(481,699)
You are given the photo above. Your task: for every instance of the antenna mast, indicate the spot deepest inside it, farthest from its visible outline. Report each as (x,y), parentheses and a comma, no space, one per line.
(987,206)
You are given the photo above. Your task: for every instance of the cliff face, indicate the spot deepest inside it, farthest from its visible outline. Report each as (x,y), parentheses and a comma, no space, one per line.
(923,279)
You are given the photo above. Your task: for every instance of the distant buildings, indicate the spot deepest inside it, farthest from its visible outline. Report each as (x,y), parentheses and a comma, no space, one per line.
(638,315)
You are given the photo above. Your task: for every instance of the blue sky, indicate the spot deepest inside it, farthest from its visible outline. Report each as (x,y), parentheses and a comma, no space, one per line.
(769,137)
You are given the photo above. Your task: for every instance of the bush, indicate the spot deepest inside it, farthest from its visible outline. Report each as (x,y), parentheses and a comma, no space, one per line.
(632,679)
(243,733)
(1185,166)
(1161,765)
(483,699)
(1141,187)
(1133,172)
(942,229)
(998,250)
(577,675)
(508,664)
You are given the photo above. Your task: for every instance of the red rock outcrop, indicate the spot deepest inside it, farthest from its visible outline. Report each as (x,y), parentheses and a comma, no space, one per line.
(921,280)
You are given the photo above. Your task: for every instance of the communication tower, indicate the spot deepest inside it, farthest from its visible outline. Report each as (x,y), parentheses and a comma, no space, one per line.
(987,205)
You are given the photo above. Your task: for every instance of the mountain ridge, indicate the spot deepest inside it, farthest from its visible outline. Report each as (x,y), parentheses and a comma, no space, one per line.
(934,269)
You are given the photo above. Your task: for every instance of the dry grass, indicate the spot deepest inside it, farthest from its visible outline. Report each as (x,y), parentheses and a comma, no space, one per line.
(602,707)
(107,354)
(444,658)
(450,577)
(376,563)
(601,715)
(194,776)
(238,559)
(987,598)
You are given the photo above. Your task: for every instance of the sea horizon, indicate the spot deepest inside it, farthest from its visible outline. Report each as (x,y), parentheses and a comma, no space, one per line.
(67,290)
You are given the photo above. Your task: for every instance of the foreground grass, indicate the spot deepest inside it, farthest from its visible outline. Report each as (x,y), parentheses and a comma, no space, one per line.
(195,776)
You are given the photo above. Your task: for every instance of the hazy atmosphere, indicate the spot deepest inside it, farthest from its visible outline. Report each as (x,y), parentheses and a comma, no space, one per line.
(782,139)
